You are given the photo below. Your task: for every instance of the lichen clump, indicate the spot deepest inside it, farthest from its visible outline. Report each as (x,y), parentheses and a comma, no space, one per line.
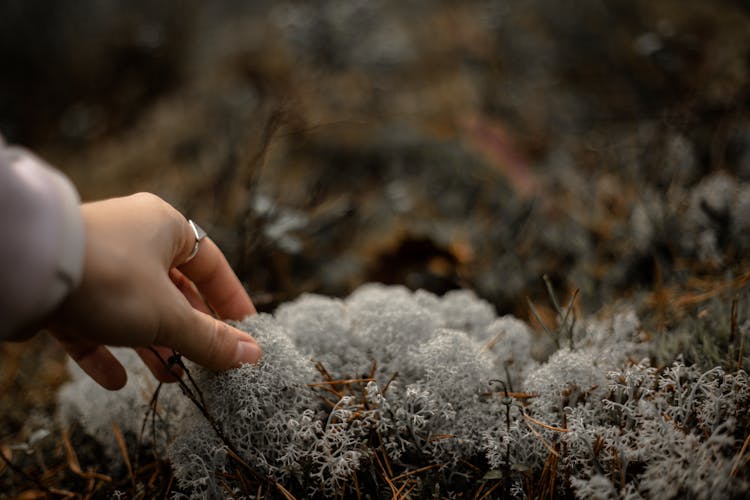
(352,394)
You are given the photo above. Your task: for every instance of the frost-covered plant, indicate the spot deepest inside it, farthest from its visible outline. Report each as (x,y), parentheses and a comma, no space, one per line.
(390,388)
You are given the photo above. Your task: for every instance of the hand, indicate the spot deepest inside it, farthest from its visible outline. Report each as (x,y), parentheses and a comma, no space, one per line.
(138,291)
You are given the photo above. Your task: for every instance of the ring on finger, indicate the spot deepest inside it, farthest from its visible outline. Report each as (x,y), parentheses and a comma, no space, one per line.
(199,235)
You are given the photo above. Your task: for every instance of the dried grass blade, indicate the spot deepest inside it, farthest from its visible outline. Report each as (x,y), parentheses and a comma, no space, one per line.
(284,492)
(388,384)
(386,475)
(73,463)
(356,485)
(417,471)
(63,493)
(491,490)
(542,424)
(541,438)
(735,467)
(408,492)
(539,319)
(479,491)
(397,494)
(124,450)
(341,382)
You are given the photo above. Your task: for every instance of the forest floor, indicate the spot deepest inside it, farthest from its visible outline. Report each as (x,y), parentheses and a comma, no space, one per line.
(438,145)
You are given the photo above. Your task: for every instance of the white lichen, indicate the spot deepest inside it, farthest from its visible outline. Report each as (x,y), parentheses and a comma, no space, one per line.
(421,380)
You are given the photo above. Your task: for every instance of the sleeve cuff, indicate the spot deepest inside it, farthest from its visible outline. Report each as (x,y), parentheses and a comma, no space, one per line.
(72,241)
(44,258)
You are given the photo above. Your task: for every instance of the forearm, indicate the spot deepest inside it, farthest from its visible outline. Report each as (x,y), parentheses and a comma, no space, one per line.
(42,244)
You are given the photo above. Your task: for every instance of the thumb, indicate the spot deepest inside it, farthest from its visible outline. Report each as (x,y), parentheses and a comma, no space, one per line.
(210,342)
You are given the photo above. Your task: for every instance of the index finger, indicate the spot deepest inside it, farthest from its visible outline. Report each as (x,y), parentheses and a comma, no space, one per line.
(215,280)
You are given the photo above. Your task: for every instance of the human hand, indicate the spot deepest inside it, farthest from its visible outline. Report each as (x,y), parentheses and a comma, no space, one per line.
(138,291)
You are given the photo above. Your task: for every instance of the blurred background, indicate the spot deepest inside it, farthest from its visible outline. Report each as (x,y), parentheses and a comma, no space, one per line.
(435,144)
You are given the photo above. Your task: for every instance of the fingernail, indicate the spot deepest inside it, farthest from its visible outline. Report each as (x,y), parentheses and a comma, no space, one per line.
(248,352)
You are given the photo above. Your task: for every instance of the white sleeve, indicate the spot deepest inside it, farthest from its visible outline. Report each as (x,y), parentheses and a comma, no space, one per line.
(42,241)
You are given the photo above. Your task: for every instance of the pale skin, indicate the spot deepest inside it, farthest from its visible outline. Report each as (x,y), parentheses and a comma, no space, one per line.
(138,291)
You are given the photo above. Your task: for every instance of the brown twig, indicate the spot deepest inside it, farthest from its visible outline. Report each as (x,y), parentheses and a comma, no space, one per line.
(74,465)
(470,465)
(23,473)
(536,433)
(356,485)
(491,490)
(322,369)
(416,471)
(541,322)
(385,455)
(227,489)
(169,487)
(199,403)
(550,472)
(331,390)
(522,396)
(388,384)
(741,354)
(737,461)
(386,473)
(697,298)
(440,437)
(152,412)
(542,424)
(284,492)
(479,490)
(124,450)
(619,468)
(341,382)
(398,495)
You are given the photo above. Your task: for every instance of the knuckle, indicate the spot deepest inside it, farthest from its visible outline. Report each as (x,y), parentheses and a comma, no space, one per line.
(168,218)
(146,198)
(155,203)
(219,347)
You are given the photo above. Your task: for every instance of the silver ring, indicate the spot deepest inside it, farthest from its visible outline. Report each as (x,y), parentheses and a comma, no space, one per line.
(199,235)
